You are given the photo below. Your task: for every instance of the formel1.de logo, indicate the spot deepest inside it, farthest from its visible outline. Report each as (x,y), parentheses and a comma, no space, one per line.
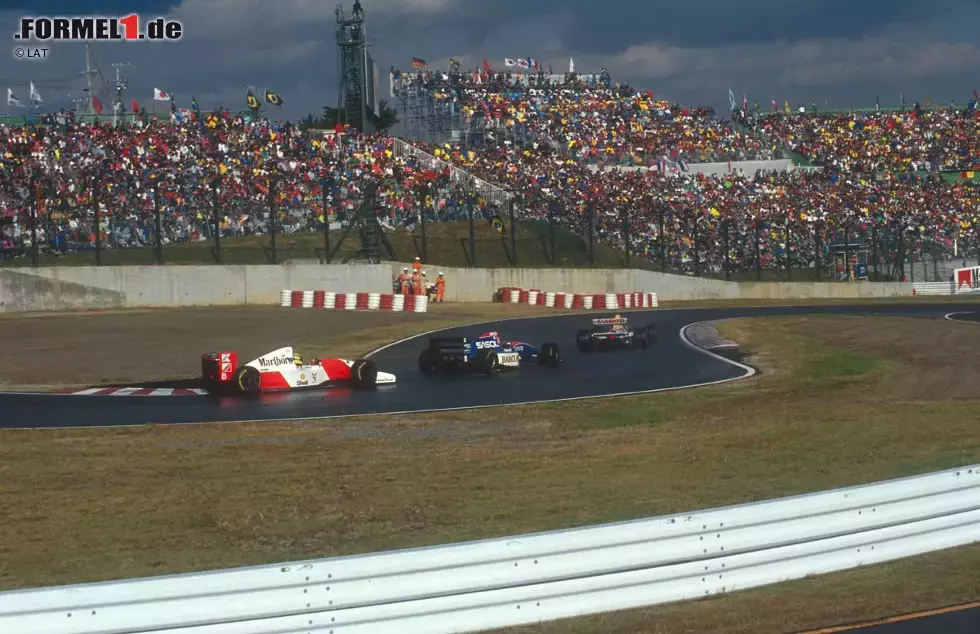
(98,29)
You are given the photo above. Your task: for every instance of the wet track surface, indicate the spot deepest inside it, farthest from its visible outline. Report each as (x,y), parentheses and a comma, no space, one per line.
(670,364)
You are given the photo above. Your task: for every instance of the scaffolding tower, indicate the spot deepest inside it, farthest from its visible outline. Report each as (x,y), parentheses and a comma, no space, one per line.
(427,118)
(357,97)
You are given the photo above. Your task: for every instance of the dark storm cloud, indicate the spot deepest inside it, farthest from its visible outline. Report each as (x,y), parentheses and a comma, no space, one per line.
(802,50)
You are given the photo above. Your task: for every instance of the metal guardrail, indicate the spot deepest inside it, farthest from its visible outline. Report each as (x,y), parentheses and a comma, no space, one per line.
(495,583)
(942,288)
(933,288)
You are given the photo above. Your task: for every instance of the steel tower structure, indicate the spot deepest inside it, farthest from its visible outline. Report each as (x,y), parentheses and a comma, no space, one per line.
(357,94)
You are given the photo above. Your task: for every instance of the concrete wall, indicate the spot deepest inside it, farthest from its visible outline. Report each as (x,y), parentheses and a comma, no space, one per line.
(819,290)
(478,285)
(68,288)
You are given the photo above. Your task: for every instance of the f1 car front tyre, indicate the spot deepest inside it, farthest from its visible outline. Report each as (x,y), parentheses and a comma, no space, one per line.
(247,379)
(428,362)
(364,374)
(549,355)
(583,340)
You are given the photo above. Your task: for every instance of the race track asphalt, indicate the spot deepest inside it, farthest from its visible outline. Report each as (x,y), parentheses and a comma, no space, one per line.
(672,364)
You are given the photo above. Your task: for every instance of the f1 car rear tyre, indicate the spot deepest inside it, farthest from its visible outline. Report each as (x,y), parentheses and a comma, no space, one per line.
(642,337)
(364,374)
(583,340)
(247,379)
(486,361)
(549,355)
(427,362)
(652,335)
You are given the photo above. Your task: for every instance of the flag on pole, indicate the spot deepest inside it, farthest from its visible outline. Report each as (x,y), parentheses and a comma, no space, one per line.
(12,99)
(136,106)
(509,62)
(252,102)
(159,95)
(775,106)
(745,102)
(418,62)
(273,98)
(97,104)
(571,65)
(731,99)
(35,95)
(486,66)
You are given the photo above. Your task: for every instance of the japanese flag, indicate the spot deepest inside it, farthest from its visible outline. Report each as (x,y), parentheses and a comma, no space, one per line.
(159,95)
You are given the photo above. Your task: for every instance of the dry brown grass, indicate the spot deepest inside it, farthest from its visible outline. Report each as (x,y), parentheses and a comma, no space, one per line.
(162,499)
(838,403)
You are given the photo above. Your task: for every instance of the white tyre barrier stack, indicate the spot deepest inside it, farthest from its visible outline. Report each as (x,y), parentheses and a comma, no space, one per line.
(593,301)
(353,301)
(398,303)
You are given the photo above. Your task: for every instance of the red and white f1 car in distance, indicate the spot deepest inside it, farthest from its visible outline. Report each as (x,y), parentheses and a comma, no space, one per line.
(282,370)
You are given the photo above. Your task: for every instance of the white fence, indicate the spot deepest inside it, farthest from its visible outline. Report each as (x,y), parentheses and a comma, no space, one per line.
(482,585)
(964,281)
(489,191)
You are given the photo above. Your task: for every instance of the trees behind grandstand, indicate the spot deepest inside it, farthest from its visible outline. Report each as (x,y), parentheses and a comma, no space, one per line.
(383,122)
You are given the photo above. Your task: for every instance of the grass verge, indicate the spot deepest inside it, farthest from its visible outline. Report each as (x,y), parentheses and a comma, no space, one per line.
(83,505)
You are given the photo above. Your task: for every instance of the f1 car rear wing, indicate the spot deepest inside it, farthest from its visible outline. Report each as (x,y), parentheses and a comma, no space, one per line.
(610,321)
(449,347)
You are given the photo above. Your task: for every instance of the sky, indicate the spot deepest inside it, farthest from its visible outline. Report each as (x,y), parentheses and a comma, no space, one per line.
(838,52)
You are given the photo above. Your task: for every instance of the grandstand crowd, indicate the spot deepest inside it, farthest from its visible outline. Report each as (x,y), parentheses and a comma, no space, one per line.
(575,148)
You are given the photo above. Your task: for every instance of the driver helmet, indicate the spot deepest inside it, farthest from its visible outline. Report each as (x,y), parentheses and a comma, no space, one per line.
(492,334)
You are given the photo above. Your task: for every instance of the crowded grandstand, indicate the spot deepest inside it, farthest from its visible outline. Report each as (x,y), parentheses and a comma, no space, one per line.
(582,150)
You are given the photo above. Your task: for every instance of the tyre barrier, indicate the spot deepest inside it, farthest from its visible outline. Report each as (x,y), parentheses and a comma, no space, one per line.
(585,301)
(354,301)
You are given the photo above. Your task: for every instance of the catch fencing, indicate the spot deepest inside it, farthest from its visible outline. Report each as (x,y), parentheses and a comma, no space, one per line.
(476,586)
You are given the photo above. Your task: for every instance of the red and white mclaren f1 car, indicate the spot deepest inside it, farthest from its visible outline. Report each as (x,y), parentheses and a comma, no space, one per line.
(282,370)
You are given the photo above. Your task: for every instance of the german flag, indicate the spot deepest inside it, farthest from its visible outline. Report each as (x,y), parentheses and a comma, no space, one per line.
(253,103)
(418,63)
(273,98)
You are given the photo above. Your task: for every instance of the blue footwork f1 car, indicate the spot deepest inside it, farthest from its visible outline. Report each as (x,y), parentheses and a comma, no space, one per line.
(614,333)
(485,355)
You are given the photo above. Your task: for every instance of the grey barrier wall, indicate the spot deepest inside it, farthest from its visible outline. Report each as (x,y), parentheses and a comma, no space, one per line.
(67,288)
(75,288)
(478,285)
